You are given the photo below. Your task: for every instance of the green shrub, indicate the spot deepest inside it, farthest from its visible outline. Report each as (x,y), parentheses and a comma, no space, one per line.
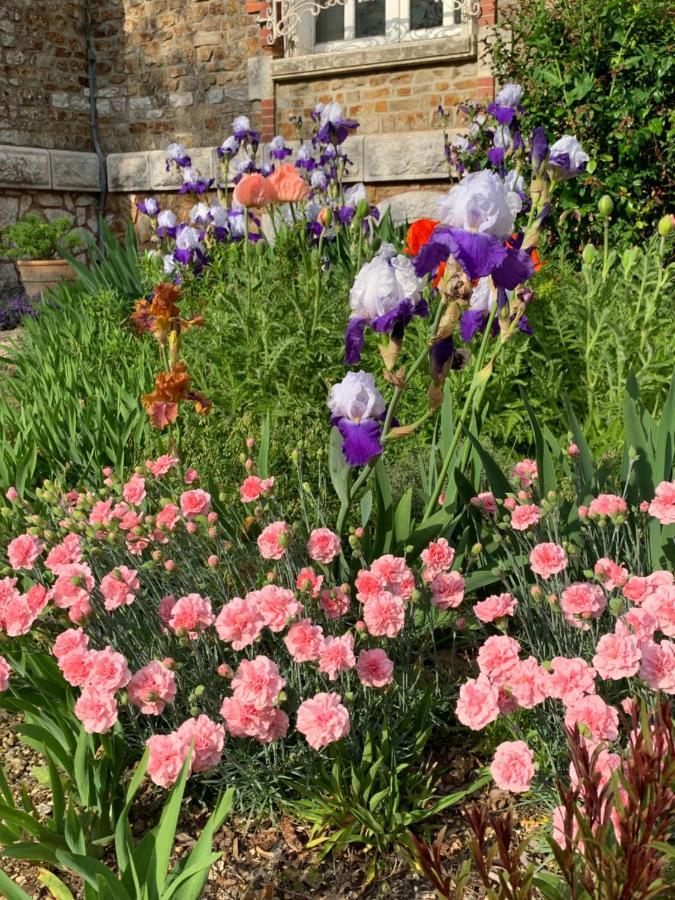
(603,71)
(33,237)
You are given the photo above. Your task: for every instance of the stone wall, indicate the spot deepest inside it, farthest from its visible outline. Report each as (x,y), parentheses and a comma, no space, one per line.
(43,74)
(170,70)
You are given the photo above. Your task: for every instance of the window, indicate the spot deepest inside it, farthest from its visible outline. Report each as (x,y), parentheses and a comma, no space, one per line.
(354,24)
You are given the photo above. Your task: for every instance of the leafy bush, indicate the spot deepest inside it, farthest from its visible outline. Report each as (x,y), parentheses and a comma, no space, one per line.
(602,70)
(33,237)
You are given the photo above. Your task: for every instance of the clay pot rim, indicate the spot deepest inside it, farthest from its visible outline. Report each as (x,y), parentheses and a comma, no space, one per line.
(43,262)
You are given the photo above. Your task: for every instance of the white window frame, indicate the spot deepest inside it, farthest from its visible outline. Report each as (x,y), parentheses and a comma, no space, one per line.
(397,29)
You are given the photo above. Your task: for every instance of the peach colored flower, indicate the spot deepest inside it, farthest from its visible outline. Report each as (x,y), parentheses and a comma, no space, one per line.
(616,656)
(239,623)
(162,465)
(524,516)
(497,657)
(384,615)
(273,540)
(570,678)
(525,472)
(69,551)
(601,720)
(254,190)
(447,590)
(18,616)
(23,551)
(639,622)
(276,605)
(323,720)
(662,506)
(496,606)
(527,682)
(168,753)
(309,582)
(253,488)
(257,682)
(336,655)
(323,545)
(657,667)
(486,502)
(610,574)
(437,557)
(244,720)
(191,615)
(97,710)
(513,766)
(609,505)
(581,602)
(152,687)
(119,587)
(478,703)
(5,672)
(288,184)
(334,602)
(547,559)
(69,640)
(134,490)
(374,668)
(206,738)
(195,503)
(108,670)
(661,604)
(304,641)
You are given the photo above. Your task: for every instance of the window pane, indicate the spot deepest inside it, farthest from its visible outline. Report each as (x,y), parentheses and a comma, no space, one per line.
(426,14)
(330,25)
(370,18)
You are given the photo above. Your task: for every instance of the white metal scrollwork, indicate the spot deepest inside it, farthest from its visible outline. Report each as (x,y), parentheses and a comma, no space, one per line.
(283,16)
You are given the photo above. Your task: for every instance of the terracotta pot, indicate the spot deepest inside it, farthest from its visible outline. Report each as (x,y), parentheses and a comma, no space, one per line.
(38,275)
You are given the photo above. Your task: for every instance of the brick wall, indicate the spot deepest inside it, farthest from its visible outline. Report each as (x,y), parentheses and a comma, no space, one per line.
(171,70)
(43,74)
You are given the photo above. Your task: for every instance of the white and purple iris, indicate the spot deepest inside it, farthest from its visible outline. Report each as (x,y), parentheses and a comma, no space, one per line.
(188,248)
(166,224)
(333,128)
(385,296)
(194,183)
(177,156)
(242,131)
(567,158)
(149,207)
(507,104)
(229,147)
(478,215)
(278,149)
(304,158)
(357,409)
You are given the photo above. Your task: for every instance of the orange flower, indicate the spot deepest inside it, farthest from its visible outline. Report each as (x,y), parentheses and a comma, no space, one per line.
(254,190)
(288,184)
(142,318)
(170,388)
(418,235)
(164,301)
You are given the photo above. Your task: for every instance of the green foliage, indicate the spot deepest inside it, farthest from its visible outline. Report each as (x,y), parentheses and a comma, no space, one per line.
(70,397)
(113,265)
(33,237)
(603,71)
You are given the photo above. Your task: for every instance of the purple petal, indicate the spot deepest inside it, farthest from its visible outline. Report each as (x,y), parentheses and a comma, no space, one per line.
(513,269)
(503,114)
(478,254)
(354,340)
(539,145)
(440,354)
(361,440)
(496,155)
(472,321)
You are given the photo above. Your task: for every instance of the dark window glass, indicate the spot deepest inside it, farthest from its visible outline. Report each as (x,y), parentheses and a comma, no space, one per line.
(330,25)
(370,18)
(426,14)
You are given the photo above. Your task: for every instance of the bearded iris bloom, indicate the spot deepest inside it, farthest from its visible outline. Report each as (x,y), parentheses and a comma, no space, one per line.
(333,128)
(357,410)
(567,158)
(194,183)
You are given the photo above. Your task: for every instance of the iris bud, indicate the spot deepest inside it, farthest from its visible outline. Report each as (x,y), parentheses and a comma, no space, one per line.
(589,254)
(665,225)
(605,206)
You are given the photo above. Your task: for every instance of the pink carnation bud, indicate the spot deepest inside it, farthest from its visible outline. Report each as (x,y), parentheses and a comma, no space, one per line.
(168,662)
(191,476)
(360,626)
(249,465)
(359,532)
(170,565)
(225,671)
(523,495)
(157,555)
(191,527)
(461,622)
(107,471)
(250,443)
(212,561)
(573,450)
(271,576)
(583,512)
(12,494)
(510,503)
(644,506)
(212,532)
(212,518)
(441,499)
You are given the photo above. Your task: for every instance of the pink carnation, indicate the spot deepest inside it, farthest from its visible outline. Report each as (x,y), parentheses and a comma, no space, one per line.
(96,709)
(601,720)
(374,668)
(254,487)
(308,581)
(486,502)
(75,666)
(639,622)
(168,753)
(239,623)
(497,657)
(206,738)
(617,656)
(323,720)
(18,616)
(152,687)
(582,601)
(384,615)
(167,518)
(496,606)
(69,640)
(394,576)
(195,503)
(162,465)
(323,545)
(23,551)
(334,602)
(257,682)
(447,590)
(36,598)
(66,553)
(244,720)
(165,608)
(5,672)
(119,587)
(190,615)
(108,670)
(524,516)
(478,703)
(273,540)
(610,505)
(525,472)
(662,506)
(337,655)
(527,682)
(304,641)
(437,557)
(73,587)
(661,605)
(101,512)
(657,667)
(276,605)
(513,767)
(547,559)
(134,490)
(570,678)
(610,574)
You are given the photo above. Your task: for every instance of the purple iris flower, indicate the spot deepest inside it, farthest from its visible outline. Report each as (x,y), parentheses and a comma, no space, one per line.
(385,296)
(166,224)
(304,159)
(194,183)
(567,158)
(507,104)
(177,156)
(188,249)
(149,207)
(242,131)
(229,147)
(539,146)
(333,129)
(277,148)
(357,409)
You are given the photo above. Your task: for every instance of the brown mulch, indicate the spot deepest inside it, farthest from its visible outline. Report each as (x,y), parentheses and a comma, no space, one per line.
(262,862)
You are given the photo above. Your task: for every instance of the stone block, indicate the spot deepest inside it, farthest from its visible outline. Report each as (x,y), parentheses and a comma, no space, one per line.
(8,275)
(215,95)
(140,103)
(128,171)
(9,211)
(180,99)
(160,179)
(260,86)
(24,167)
(60,100)
(405,156)
(411,205)
(75,171)
(206,38)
